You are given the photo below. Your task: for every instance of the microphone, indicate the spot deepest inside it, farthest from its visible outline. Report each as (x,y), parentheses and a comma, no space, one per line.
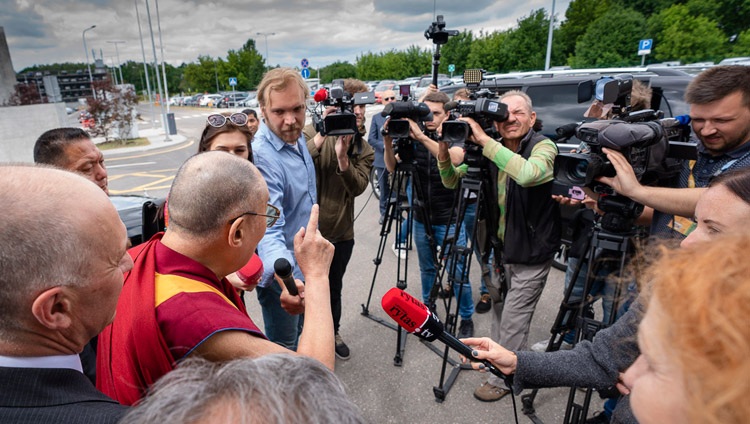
(283,269)
(450,106)
(320,95)
(567,130)
(251,273)
(679,120)
(414,317)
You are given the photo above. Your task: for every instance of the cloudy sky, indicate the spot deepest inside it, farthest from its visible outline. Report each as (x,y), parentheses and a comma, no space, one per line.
(49,31)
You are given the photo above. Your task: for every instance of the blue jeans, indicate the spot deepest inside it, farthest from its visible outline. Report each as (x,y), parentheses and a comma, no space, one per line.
(281,327)
(469,216)
(427,266)
(385,189)
(405,222)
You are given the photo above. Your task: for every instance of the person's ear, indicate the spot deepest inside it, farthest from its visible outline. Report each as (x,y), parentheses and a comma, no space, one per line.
(52,308)
(237,233)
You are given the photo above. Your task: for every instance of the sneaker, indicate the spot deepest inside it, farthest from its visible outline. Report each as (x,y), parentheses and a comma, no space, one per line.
(446,291)
(484,304)
(490,393)
(466,329)
(399,249)
(342,350)
(541,346)
(598,418)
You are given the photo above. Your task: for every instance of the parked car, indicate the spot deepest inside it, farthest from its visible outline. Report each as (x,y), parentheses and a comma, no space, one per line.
(384,86)
(250,101)
(192,100)
(209,100)
(425,81)
(231,99)
(143,216)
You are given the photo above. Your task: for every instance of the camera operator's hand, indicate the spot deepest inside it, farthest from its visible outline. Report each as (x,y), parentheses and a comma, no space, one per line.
(389,156)
(432,88)
(342,147)
(478,135)
(443,152)
(485,348)
(319,138)
(416,133)
(625,181)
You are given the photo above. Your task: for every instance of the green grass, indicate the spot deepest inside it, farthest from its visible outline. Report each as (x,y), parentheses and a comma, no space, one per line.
(118,144)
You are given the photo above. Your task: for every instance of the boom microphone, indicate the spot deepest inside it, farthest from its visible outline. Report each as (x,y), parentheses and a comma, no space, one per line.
(450,106)
(320,95)
(414,317)
(283,269)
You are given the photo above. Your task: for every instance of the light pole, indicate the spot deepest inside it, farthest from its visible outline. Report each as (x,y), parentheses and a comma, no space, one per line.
(88,66)
(266,34)
(549,37)
(122,81)
(158,77)
(145,68)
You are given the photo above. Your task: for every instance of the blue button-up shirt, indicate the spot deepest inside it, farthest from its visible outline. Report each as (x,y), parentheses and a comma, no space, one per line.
(290,175)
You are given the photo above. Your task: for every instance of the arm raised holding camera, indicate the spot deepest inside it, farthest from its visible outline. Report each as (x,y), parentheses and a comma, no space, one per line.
(675,201)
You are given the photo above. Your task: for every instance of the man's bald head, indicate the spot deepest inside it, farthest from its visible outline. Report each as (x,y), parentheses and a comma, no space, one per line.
(209,190)
(55,223)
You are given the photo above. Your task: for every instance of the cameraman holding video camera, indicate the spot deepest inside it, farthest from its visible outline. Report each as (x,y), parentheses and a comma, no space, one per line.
(719,101)
(438,201)
(342,171)
(529,223)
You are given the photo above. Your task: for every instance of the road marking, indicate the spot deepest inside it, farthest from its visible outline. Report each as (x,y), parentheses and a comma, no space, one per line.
(145,187)
(130,164)
(152,153)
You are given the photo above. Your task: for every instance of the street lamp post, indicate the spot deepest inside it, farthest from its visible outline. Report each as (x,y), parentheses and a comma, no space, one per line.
(549,37)
(88,65)
(266,34)
(119,68)
(145,68)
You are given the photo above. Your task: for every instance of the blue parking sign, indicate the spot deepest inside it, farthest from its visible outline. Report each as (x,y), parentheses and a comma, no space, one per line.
(644,46)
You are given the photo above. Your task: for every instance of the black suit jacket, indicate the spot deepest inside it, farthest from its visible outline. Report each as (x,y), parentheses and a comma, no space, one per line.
(36,395)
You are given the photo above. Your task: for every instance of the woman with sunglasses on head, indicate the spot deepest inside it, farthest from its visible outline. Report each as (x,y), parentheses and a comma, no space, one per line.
(227,132)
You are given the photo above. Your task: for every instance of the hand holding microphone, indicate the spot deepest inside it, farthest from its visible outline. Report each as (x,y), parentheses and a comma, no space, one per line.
(414,317)
(291,300)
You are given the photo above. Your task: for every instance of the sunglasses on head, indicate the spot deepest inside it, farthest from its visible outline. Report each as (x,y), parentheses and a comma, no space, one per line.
(218,120)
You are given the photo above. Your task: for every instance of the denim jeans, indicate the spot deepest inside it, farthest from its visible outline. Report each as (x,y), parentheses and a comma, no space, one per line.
(405,221)
(469,216)
(281,327)
(427,266)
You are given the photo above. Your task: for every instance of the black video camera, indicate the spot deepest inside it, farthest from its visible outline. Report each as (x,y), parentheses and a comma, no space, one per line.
(483,110)
(398,126)
(342,121)
(437,32)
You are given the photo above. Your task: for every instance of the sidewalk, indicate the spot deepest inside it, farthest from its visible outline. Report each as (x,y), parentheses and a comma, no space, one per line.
(156,138)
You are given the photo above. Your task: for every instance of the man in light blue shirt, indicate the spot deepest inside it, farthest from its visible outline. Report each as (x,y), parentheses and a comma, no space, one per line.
(282,157)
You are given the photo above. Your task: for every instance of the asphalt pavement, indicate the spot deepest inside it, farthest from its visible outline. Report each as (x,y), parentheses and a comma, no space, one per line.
(404,394)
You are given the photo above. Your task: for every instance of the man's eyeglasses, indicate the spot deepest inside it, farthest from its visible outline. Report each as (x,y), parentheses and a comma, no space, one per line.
(218,120)
(272,214)
(389,98)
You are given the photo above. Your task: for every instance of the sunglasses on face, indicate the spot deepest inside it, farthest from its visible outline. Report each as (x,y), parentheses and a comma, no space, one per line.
(217,120)
(272,215)
(389,98)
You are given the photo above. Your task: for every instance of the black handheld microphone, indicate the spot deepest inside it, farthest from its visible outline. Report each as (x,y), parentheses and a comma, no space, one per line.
(414,317)
(283,269)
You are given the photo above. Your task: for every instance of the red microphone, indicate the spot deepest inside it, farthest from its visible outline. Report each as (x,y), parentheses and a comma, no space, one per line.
(251,273)
(320,95)
(414,317)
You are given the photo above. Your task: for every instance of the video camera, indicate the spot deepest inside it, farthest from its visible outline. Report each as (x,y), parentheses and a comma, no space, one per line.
(342,121)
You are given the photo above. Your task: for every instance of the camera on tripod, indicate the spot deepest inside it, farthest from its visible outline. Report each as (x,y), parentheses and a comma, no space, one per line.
(437,32)
(342,121)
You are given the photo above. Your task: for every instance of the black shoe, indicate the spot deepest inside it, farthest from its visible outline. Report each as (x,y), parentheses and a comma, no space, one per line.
(446,292)
(380,221)
(484,304)
(466,329)
(342,350)
(598,418)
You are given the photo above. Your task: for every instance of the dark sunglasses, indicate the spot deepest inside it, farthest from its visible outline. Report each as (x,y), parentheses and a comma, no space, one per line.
(272,215)
(389,98)
(218,120)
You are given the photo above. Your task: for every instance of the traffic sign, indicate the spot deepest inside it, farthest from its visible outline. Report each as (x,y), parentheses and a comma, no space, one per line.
(305,63)
(451,67)
(305,73)
(232,81)
(644,47)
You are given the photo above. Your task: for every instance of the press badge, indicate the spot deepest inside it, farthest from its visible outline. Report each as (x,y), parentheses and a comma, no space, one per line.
(682,225)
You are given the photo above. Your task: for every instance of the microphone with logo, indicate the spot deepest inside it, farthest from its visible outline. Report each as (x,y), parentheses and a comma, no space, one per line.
(414,317)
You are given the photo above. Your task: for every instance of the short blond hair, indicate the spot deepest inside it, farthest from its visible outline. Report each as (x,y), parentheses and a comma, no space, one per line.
(703,292)
(279,79)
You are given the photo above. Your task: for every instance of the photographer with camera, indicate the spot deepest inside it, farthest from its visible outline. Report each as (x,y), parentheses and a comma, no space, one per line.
(342,169)
(437,204)
(719,101)
(529,221)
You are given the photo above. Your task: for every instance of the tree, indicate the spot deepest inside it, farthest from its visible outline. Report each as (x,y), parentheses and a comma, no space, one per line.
(113,111)
(578,18)
(524,48)
(456,51)
(741,46)
(246,64)
(485,51)
(337,70)
(26,94)
(608,44)
(202,76)
(686,37)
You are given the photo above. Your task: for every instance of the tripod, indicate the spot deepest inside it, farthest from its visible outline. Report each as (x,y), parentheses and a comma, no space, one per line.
(572,315)
(404,170)
(458,254)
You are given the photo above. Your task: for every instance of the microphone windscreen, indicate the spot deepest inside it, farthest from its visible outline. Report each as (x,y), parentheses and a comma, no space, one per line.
(252,271)
(320,95)
(411,314)
(450,106)
(387,110)
(282,267)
